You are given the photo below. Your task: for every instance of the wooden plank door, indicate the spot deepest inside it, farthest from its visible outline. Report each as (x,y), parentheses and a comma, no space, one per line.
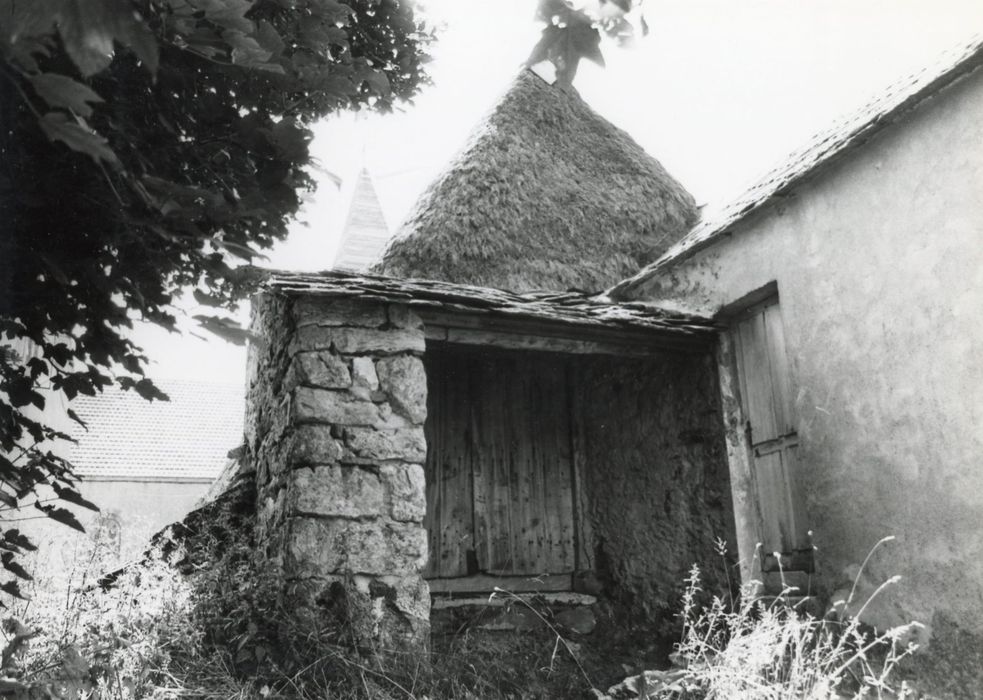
(500,440)
(766,399)
(450,432)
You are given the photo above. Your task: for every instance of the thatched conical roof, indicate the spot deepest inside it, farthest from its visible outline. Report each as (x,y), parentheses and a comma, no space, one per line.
(546,195)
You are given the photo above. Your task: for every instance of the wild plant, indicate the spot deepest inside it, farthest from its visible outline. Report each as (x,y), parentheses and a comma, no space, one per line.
(75,639)
(768,648)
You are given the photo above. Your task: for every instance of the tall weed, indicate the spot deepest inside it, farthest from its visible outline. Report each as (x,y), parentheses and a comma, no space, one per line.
(768,648)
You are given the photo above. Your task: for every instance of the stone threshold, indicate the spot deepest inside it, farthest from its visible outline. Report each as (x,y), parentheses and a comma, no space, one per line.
(498,600)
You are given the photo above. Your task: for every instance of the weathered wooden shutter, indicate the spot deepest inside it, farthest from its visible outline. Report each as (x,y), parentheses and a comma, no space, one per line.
(499,465)
(766,397)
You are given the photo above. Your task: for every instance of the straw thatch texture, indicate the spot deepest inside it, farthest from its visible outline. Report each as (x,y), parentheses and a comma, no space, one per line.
(546,195)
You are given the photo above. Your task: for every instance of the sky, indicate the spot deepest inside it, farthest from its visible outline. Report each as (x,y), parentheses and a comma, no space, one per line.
(718,92)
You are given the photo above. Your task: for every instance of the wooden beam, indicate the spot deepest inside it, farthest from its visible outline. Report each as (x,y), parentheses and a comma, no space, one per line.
(584,532)
(483,583)
(527,341)
(538,334)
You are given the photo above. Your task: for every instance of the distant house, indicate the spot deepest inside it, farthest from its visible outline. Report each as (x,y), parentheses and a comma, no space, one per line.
(148,463)
(850,283)
(145,464)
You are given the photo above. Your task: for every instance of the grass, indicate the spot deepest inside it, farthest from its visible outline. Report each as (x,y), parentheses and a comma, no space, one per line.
(200,620)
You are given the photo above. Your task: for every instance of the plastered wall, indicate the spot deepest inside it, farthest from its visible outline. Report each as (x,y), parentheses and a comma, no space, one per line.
(879,267)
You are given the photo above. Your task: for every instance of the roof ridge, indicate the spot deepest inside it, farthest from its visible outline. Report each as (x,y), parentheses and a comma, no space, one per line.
(850,130)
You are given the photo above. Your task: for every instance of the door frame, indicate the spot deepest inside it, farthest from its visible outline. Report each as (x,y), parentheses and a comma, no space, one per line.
(748,521)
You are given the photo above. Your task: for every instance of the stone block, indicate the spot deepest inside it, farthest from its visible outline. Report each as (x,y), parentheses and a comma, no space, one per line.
(312,445)
(389,419)
(322,547)
(357,341)
(334,407)
(322,369)
(382,612)
(402,317)
(405,491)
(333,311)
(580,620)
(404,380)
(335,491)
(365,381)
(405,444)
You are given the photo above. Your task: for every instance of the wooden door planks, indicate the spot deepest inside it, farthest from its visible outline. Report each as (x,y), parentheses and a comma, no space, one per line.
(766,397)
(504,420)
(451,446)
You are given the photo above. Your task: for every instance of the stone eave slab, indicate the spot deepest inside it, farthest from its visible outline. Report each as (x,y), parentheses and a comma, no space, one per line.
(464,313)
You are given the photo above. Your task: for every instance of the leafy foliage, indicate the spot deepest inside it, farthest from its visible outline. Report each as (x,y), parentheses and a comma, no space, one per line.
(573,31)
(146,146)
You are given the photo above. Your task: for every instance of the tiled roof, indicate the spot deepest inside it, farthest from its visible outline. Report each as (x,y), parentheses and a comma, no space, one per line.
(186,438)
(843,136)
(570,309)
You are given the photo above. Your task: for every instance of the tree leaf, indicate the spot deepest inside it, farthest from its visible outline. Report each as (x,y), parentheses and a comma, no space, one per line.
(225,328)
(57,127)
(246,51)
(7,499)
(12,588)
(206,299)
(378,83)
(7,559)
(292,140)
(89,29)
(74,497)
(145,387)
(14,539)
(61,515)
(61,91)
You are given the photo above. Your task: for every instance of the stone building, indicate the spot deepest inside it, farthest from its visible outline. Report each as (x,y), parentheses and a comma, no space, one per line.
(414,438)
(801,368)
(417,437)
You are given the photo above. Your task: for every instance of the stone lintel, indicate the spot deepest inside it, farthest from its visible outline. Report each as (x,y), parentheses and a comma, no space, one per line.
(333,311)
(357,341)
(401,316)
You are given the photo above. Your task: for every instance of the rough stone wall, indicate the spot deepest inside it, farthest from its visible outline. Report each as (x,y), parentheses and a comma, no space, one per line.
(656,479)
(334,427)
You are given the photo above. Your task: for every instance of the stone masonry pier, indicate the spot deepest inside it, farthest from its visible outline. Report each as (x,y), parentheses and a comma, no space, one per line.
(337,400)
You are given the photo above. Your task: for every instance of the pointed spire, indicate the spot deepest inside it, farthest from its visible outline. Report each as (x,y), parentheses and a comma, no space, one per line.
(365,233)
